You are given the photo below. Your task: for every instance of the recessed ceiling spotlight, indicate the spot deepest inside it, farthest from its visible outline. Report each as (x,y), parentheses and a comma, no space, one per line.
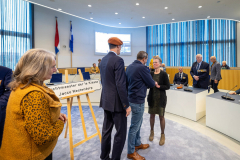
(137,4)
(91,18)
(208,16)
(119,23)
(143,17)
(116,13)
(199,6)
(166,8)
(59,9)
(89,5)
(173,19)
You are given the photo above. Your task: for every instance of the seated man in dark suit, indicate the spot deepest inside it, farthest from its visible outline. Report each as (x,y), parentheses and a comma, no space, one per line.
(200,73)
(5,79)
(224,65)
(180,77)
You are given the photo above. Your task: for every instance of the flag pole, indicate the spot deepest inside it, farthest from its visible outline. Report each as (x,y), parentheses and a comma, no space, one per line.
(57,54)
(71,51)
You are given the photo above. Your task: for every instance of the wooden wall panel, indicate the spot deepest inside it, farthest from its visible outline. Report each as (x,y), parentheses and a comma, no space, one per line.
(87,69)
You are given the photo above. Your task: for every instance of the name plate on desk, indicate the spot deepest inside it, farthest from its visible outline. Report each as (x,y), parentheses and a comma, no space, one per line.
(69,89)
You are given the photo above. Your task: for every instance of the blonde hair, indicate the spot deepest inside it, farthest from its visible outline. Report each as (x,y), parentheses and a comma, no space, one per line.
(32,67)
(157,57)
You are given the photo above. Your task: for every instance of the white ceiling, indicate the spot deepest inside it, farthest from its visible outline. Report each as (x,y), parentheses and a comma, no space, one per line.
(130,15)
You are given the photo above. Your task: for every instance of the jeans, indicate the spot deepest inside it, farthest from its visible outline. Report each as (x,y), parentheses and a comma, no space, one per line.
(134,138)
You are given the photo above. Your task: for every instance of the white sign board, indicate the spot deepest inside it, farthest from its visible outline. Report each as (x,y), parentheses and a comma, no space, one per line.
(68,89)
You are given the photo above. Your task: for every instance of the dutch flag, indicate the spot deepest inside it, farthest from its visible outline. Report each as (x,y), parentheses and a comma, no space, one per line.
(71,40)
(57,43)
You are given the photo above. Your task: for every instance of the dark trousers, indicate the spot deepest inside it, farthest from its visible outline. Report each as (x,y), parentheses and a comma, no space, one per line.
(118,119)
(198,85)
(49,157)
(214,86)
(2,121)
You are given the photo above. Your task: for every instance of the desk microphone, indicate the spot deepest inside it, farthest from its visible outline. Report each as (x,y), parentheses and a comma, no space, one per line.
(228,97)
(187,89)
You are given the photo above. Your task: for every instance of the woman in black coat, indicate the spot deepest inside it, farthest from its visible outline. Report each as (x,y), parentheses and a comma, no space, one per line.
(157,98)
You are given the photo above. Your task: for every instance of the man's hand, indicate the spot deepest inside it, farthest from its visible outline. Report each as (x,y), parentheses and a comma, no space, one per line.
(232,93)
(156,84)
(63,117)
(128,110)
(215,81)
(196,78)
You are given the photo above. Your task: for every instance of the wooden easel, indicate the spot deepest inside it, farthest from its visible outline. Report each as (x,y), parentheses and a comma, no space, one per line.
(69,122)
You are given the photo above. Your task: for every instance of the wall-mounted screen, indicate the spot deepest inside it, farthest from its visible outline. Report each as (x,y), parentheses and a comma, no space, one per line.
(101,43)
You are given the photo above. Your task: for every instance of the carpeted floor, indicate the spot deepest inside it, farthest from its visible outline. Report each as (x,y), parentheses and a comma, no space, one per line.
(182,143)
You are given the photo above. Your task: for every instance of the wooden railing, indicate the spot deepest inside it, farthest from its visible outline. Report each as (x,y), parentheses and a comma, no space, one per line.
(230,78)
(72,70)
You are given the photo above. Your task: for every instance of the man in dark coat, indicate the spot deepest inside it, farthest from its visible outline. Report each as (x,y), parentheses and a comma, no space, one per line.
(200,73)
(114,101)
(138,79)
(181,77)
(5,79)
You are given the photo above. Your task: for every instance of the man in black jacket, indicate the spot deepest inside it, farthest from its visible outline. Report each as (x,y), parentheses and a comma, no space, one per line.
(200,73)
(5,79)
(181,77)
(114,101)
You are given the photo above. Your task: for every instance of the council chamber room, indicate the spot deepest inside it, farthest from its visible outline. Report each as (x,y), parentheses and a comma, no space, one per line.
(118,80)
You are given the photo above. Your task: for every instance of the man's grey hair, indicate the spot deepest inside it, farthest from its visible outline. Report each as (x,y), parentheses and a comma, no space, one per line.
(141,55)
(199,55)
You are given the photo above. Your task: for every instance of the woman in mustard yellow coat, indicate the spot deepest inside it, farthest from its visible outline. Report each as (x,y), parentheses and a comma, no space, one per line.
(33,119)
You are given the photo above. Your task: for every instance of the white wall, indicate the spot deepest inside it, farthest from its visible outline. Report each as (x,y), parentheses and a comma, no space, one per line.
(84,37)
(238,44)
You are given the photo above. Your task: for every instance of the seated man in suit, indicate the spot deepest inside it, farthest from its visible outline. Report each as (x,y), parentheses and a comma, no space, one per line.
(180,78)
(236,92)
(5,79)
(200,73)
(94,69)
(224,65)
